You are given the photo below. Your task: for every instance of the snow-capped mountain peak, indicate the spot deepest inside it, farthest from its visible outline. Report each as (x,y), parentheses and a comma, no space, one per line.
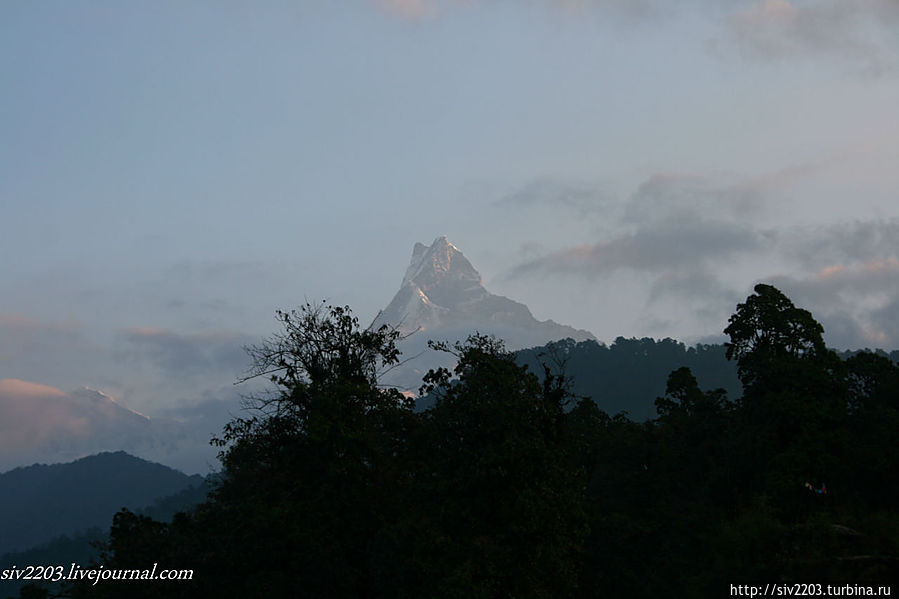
(442,297)
(442,290)
(430,265)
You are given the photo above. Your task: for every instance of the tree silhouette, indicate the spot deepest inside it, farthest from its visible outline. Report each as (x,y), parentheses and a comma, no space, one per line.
(334,487)
(768,327)
(501,487)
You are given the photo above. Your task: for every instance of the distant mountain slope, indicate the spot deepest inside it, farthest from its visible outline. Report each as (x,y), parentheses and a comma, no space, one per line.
(442,298)
(39,423)
(442,291)
(40,502)
(628,375)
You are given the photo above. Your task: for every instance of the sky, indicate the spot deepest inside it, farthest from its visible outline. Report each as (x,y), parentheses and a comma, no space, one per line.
(173,172)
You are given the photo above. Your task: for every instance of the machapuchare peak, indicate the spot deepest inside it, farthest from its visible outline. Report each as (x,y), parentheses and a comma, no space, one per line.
(430,264)
(442,295)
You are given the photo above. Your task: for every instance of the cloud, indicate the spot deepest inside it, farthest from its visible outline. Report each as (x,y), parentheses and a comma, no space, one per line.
(632,9)
(41,423)
(27,390)
(187,355)
(41,420)
(866,278)
(667,195)
(683,195)
(409,9)
(655,249)
(690,245)
(31,347)
(580,197)
(32,414)
(856,303)
(856,33)
(840,244)
(416,10)
(694,222)
(693,295)
(859,31)
(884,322)
(21,322)
(678,228)
(699,286)
(155,369)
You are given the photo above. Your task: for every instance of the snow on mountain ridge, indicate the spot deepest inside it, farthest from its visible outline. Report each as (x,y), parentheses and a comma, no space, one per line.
(97,400)
(439,255)
(442,297)
(442,290)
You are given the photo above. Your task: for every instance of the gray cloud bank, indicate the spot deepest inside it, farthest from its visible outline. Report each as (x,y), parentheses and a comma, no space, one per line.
(182,381)
(699,244)
(857,32)
(581,197)
(659,248)
(180,354)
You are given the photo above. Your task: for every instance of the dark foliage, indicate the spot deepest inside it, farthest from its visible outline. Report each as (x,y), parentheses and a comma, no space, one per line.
(78,495)
(628,375)
(508,486)
(82,547)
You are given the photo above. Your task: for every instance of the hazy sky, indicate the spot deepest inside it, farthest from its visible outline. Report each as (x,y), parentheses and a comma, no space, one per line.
(173,172)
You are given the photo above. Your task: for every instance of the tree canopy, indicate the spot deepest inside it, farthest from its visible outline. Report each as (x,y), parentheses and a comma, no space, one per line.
(510,486)
(766,328)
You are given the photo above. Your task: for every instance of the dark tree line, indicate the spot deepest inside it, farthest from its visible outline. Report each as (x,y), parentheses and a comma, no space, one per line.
(629,374)
(511,486)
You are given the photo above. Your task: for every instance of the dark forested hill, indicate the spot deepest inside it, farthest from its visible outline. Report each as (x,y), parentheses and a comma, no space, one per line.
(630,374)
(82,547)
(41,502)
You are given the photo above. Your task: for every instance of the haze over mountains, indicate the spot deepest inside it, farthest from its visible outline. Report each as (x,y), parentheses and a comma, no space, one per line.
(40,423)
(442,297)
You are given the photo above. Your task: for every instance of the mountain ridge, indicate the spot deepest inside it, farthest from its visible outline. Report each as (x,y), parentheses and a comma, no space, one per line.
(442,297)
(441,291)
(40,423)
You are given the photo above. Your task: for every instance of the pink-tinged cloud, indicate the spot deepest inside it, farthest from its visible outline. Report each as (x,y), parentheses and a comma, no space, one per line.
(22,322)
(418,9)
(409,9)
(881,266)
(868,275)
(769,13)
(829,272)
(145,332)
(27,390)
(38,420)
(40,423)
(33,415)
(876,337)
(840,28)
(856,301)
